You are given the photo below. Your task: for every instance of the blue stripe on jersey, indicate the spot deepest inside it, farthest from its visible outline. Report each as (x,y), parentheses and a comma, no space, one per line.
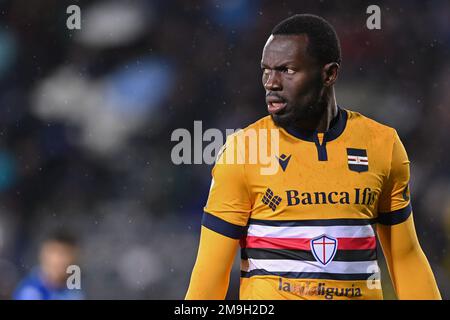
(221,226)
(308,275)
(306,255)
(395,217)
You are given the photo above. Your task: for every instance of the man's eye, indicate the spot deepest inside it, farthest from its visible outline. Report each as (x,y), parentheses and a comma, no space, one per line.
(265,71)
(290,71)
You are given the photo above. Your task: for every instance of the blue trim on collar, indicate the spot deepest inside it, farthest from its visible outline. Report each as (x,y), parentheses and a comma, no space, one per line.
(337,127)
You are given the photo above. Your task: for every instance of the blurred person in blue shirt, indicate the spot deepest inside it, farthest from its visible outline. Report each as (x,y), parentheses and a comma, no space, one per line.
(49,280)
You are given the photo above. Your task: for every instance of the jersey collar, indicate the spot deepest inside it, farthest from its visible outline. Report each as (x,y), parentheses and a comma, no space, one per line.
(336,128)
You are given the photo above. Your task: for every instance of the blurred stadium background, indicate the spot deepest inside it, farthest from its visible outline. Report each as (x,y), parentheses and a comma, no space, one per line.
(86,118)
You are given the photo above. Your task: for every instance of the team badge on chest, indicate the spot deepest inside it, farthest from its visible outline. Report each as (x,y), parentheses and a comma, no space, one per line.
(324,248)
(357,160)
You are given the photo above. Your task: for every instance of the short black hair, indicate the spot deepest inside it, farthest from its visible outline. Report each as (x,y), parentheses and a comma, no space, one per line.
(63,237)
(323,40)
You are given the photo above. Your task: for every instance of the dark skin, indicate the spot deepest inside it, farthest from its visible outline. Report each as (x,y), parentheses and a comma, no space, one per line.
(299,89)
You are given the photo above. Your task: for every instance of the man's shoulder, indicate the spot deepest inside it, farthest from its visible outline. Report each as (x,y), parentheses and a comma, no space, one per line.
(262,123)
(241,139)
(30,287)
(364,124)
(265,123)
(355,120)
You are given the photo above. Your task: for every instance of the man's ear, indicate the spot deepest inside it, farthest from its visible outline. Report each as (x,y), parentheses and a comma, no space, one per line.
(330,73)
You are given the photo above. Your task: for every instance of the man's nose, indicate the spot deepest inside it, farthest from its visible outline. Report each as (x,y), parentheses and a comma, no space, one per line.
(273,82)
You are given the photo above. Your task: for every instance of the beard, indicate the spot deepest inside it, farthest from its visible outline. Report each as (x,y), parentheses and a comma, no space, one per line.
(302,114)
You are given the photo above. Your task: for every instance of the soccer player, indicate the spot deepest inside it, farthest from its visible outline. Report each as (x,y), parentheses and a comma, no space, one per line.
(48,280)
(309,231)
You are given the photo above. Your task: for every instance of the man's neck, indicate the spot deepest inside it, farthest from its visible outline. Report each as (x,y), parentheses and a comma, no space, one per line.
(324,120)
(328,116)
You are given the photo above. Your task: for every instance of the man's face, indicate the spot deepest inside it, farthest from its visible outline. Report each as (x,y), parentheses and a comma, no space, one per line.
(292,80)
(55,257)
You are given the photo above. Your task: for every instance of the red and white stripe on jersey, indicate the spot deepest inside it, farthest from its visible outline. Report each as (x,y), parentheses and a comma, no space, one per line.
(309,232)
(358,160)
(283,248)
(364,243)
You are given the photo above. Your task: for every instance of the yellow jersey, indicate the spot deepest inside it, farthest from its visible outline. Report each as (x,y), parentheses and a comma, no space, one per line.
(309,230)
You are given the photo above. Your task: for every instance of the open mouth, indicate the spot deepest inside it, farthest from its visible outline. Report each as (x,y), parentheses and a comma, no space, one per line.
(275,107)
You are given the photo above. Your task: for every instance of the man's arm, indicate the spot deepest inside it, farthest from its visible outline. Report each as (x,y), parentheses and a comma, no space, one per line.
(408,266)
(223,224)
(211,274)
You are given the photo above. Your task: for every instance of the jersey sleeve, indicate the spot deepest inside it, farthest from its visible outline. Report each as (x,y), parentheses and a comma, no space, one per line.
(395,203)
(228,207)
